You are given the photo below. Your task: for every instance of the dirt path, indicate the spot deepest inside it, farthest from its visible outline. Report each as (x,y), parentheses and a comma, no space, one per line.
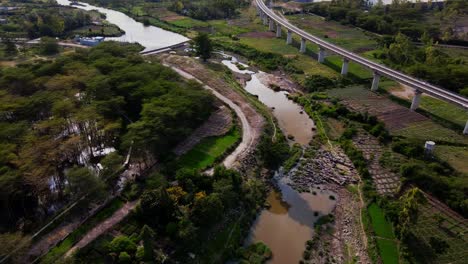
(248,134)
(103,227)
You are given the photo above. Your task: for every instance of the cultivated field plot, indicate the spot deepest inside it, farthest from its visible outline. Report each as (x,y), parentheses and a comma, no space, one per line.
(452,229)
(347,37)
(385,181)
(384,235)
(361,99)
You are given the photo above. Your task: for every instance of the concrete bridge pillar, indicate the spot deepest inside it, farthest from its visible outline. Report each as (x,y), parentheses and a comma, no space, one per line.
(375,82)
(289,37)
(265,19)
(416,100)
(278,30)
(303,45)
(321,55)
(272,25)
(344,67)
(465,131)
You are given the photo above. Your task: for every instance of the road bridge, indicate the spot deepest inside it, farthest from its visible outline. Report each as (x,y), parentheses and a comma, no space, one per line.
(278,23)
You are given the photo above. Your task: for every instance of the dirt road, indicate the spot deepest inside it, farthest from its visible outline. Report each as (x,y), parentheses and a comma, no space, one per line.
(247,131)
(103,227)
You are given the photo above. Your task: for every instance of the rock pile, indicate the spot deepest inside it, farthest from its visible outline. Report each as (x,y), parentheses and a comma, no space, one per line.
(324,168)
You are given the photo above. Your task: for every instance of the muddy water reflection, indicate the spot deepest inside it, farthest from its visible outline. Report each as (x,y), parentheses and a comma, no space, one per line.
(289,222)
(288,113)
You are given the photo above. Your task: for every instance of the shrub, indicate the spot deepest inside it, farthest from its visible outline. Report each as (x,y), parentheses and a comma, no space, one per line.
(124,258)
(316,83)
(121,244)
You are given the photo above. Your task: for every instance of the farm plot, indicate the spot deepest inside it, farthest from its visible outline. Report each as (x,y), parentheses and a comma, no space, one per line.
(398,119)
(385,237)
(385,181)
(437,221)
(347,37)
(361,99)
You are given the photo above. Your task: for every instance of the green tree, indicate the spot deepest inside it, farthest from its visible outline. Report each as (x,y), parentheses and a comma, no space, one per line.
(147,235)
(122,244)
(400,51)
(82,181)
(203,45)
(112,164)
(207,210)
(10,48)
(157,206)
(49,46)
(125,258)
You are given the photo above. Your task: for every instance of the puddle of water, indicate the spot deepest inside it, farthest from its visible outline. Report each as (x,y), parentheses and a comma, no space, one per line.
(289,222)
(288,113)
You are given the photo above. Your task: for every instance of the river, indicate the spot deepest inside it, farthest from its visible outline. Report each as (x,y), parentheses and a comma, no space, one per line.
(290,116)
(150,37)
(289,221)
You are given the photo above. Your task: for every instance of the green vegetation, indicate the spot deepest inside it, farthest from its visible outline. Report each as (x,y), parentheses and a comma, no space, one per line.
(400,16)
(397,50)
(46,111)
(58,251)
(40,18)
(203,46)
(381,226)
(209,150)
(388,250)
(255,253)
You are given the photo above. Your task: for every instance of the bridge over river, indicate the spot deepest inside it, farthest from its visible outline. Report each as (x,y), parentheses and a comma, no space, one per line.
(278,23)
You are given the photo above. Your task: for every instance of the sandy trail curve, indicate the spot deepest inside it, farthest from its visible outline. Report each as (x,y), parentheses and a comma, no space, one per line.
(248,137)
(103,227)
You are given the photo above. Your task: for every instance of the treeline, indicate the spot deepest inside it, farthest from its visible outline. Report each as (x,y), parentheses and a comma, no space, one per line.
(208,9)
(425,62)
(405,17)
(36,21)
(179,216)
(57,117)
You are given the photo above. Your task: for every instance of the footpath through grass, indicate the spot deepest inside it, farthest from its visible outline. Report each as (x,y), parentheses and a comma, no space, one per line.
(209,150)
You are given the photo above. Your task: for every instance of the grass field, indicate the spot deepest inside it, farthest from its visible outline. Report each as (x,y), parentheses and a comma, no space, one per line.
(347,37)
(455,156)
(381,226)
(306,63)
(428,130)
(444,110)
(388,249)
(205,153)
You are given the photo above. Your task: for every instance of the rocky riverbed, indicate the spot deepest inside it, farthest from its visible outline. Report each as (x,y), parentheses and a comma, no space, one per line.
(321,167)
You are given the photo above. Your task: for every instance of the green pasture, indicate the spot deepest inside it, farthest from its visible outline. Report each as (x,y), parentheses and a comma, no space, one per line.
(205,153)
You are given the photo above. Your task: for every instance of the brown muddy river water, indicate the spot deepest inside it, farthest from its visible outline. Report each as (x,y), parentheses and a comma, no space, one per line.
(289,222)
(287,112)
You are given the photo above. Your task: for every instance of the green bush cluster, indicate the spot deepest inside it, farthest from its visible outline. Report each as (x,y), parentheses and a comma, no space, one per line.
(266,60)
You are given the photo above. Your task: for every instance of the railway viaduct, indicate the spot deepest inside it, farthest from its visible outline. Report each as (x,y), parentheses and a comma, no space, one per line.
(278,24)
